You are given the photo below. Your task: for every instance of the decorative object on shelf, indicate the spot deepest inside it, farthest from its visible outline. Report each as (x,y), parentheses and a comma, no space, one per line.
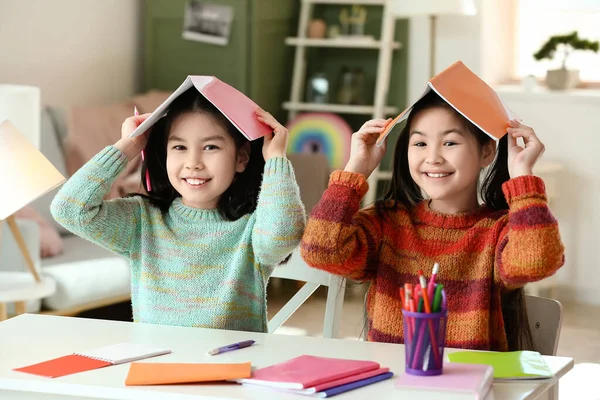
(344,22)
(529,83)
(358,17)
(317,29)
(321,133)
(207,22)
(563,78)
(351,86)
(318,89)
(333,32)
(432,8)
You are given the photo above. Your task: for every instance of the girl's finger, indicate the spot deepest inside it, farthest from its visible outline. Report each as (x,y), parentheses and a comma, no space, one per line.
(527,135)
(369,130)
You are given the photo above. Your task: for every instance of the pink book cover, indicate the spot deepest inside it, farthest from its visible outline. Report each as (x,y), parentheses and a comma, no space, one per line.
(238,108)
(471,379)
(307,371)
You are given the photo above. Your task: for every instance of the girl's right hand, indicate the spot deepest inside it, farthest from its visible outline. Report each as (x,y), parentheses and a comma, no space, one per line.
(365,155)
(131,147)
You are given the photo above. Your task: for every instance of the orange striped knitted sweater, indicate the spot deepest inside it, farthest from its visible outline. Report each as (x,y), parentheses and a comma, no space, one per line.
(481,254)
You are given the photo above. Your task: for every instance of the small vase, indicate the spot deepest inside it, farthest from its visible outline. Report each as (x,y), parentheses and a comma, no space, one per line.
(562,79)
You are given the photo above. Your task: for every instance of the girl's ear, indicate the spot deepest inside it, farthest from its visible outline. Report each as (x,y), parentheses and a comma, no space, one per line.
(488,152)
(243,157)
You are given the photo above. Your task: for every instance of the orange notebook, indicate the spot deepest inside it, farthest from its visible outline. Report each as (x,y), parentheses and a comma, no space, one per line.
(92,359)
(239,109)
(178,373)
(469,95)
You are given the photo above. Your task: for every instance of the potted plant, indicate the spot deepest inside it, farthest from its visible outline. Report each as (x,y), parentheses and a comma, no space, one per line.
(563,78)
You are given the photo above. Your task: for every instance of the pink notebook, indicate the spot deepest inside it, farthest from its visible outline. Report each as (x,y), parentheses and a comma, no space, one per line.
(459,381)
(308,371)
(239,109)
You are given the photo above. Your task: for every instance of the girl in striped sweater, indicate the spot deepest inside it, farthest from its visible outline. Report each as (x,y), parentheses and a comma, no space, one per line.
(487,252)
(217,220)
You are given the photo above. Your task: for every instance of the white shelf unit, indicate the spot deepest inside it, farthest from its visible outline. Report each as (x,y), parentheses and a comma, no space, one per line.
(348,42)
(385,46)
(337,108)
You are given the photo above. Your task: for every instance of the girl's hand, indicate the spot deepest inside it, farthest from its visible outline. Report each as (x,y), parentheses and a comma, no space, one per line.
(365,156)
(521,160)
(275,143)
(131,147)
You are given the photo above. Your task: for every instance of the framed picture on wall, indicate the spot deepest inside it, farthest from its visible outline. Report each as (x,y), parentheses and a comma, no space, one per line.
(207,22)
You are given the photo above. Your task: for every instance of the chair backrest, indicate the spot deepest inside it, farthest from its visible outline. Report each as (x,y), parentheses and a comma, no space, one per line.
(297,269)
(312,175)
(545,321)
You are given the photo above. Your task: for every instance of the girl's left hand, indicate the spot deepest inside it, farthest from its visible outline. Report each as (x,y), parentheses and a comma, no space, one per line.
(275,143)
(521,160)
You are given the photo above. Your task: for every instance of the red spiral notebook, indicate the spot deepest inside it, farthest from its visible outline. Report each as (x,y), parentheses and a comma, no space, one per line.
(238,108)
(93,359)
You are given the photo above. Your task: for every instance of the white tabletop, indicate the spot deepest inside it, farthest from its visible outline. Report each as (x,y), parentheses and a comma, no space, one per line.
(31,338)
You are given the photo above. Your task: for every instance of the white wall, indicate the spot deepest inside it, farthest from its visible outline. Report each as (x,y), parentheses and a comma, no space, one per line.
(78,52)
(567,124)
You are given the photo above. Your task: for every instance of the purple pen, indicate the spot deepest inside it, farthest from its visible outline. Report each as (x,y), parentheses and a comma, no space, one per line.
(230,347)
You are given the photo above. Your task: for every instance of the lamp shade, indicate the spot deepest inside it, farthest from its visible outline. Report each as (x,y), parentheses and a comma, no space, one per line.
(22,106)
(25,173)
(413,8)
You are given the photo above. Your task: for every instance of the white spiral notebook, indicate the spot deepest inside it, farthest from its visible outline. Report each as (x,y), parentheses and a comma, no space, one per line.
(113,354)
(124,352)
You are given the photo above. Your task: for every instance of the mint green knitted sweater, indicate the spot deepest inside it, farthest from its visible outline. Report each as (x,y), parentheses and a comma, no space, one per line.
(189,267)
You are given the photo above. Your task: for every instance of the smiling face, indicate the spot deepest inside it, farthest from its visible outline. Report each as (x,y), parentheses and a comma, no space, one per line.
(445,160)
(202,159)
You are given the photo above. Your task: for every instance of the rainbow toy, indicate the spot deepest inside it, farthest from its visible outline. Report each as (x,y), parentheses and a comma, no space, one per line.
(321,133)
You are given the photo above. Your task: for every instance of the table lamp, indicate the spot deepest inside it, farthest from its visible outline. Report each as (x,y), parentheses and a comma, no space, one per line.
(26,175)
(431,8)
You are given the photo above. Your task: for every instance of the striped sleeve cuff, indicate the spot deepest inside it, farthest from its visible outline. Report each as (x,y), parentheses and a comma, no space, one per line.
(351,180)
(278,166)
(524,186)
(111,160)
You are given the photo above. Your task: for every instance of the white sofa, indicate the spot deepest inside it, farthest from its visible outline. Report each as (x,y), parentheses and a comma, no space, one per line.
(86,275)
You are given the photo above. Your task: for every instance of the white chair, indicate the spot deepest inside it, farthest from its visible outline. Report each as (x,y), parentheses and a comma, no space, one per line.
(298,270)
(545,321)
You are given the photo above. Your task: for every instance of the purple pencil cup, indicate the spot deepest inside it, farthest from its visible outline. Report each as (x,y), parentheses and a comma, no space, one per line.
(421,357)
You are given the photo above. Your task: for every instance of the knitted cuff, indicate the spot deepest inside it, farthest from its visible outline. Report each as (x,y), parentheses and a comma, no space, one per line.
(524,186)
(351,180)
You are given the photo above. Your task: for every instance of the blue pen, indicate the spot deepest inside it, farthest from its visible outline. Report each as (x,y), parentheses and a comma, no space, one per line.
(230,347)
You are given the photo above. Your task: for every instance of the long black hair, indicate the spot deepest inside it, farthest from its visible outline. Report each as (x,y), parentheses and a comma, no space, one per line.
(403,191)
(241,196)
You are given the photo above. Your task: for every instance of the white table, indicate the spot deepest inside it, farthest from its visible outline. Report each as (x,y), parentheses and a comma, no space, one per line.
(29,339)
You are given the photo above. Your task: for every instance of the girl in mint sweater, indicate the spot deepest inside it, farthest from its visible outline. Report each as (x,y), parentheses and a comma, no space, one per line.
(217,220)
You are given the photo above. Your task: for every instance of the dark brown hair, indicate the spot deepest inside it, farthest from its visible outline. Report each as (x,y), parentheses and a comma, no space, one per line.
(404,191)
(242,195)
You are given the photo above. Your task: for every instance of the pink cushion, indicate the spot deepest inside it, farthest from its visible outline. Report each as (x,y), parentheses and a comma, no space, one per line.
(50,241)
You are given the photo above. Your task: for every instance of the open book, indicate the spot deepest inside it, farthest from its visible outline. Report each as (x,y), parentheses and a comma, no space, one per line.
(467,94)
(233,104)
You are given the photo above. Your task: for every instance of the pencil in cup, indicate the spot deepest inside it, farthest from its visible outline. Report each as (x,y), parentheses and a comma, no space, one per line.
(422,337)
(421,359)
(148,186)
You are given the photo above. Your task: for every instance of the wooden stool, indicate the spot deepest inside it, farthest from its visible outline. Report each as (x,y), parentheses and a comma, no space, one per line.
(19,287)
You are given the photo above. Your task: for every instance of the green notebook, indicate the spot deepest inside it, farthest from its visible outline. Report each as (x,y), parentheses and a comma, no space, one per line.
(507,365)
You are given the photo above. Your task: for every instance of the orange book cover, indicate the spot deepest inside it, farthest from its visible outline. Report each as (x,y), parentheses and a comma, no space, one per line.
(178,373)
(470,96)
(238,108)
